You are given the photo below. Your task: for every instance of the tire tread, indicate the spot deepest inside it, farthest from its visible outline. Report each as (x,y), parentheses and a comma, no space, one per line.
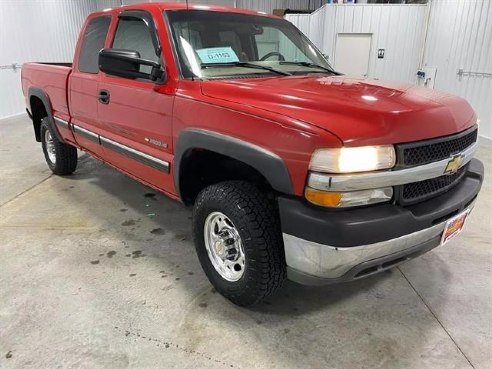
(66,155)
(260,217)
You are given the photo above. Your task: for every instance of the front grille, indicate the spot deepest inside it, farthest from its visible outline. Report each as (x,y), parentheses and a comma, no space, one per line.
(426,152)
(420,191)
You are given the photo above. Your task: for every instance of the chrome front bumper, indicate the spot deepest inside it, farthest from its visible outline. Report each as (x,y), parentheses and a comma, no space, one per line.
(312,263)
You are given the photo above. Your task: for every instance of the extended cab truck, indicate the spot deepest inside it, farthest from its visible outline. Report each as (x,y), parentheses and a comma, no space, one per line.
(294,171)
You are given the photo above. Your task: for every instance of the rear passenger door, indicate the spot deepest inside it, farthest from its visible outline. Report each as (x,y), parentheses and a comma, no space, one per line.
(136,117)
(83,84)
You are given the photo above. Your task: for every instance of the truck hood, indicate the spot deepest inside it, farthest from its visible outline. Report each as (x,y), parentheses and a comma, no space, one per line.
(358,111)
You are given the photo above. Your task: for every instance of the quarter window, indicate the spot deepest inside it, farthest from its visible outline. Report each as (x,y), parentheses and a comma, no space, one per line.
(93,41)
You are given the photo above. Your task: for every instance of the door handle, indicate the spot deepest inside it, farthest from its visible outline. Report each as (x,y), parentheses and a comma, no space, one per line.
(104,97)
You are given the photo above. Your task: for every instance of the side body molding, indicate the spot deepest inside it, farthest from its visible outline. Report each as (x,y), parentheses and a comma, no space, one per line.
(269,164)
(41,95)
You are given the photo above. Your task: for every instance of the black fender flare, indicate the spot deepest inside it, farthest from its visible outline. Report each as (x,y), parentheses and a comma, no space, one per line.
(269,164)
(43,96)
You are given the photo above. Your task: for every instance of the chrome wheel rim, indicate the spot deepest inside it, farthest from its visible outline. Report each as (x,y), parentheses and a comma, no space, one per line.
(224,246)
(50,146)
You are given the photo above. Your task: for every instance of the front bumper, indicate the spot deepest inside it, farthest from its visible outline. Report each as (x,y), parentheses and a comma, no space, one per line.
(327,246)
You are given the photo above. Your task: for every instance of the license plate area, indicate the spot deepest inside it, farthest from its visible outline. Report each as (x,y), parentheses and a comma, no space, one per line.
(454,226)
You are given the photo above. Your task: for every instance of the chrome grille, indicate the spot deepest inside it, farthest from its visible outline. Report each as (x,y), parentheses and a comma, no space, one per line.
(425,152)
(419,191)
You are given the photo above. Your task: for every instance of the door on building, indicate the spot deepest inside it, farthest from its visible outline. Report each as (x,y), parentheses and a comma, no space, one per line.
(352,53)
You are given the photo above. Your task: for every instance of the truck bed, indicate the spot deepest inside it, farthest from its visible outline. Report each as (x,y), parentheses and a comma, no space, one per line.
(52,78)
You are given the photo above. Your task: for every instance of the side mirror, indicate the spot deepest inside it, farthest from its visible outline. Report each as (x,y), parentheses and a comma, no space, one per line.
(129,64)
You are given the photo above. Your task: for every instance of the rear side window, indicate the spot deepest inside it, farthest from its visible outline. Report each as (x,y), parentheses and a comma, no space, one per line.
(93,42)
(133,34)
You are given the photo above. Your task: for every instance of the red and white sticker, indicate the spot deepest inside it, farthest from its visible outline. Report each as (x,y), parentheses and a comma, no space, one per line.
(454,226)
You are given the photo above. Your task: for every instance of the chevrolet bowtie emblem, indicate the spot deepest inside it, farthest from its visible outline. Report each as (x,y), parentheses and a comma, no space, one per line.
(454,164)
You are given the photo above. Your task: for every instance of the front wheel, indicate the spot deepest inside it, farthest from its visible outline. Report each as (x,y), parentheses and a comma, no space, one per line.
(238,241)
(60,157)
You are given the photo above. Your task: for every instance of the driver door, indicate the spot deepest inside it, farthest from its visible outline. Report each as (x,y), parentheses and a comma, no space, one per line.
(135,117)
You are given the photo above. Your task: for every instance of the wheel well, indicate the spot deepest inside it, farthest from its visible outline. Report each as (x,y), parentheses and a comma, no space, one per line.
(38,111)
(201,168)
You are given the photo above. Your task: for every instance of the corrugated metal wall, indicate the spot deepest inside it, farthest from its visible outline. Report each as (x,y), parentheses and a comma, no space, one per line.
(106,4)
(36,30)
(399,29)
(460,36)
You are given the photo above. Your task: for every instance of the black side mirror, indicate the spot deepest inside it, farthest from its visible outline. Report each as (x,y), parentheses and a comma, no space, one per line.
(128,63)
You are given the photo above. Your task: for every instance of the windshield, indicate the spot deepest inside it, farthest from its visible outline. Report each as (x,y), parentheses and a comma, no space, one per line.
(213,44)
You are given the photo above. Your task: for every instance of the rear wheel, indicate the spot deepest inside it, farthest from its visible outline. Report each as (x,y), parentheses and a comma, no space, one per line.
(238,241)
(60,157)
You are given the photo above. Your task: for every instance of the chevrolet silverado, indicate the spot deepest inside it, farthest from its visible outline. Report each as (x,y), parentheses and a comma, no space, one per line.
(293,170)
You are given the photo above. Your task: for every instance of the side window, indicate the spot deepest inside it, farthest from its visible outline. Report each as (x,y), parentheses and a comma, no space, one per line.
(92,43)
(133,34)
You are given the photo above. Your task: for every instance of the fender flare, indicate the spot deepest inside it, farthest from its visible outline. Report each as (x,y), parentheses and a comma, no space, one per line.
(269,164)
(43,96)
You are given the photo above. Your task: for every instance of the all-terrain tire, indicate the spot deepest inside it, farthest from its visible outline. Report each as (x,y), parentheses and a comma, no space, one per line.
(60,157)
(256,219)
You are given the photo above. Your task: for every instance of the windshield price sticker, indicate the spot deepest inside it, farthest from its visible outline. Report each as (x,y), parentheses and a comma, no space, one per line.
(217,55)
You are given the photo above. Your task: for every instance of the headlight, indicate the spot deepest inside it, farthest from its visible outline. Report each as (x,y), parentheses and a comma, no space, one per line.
(353,159)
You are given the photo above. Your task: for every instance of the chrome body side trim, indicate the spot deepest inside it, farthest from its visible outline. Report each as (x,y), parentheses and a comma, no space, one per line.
(86,133)
(130,152)
(135,154)
(61,123)
(329,262)
(362,181)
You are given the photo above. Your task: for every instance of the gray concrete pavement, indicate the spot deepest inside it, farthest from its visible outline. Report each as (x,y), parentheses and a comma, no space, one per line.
(97,272)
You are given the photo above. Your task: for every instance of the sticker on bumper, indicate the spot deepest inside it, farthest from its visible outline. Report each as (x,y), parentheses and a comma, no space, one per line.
(454,226)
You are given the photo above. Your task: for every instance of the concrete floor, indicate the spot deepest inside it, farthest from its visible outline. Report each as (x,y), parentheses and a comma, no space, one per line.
(96,272)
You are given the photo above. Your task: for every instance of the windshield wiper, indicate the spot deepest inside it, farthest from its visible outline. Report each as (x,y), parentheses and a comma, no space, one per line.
(309,65)
(244,65)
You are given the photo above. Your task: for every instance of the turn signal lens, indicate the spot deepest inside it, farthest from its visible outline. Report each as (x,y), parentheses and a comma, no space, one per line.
(348,199)
(323,198)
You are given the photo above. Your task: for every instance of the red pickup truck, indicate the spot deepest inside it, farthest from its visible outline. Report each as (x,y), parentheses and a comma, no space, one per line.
(294,171)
